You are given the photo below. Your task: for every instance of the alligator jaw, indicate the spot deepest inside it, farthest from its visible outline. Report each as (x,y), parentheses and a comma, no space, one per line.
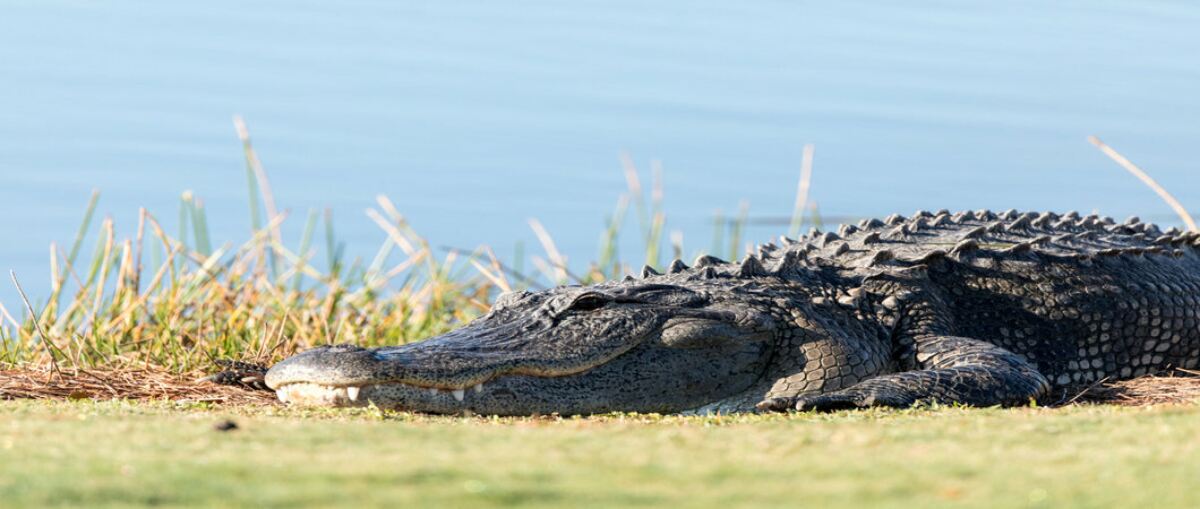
(312,394)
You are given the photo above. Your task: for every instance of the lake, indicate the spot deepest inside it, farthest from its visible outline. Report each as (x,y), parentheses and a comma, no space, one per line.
(476,116)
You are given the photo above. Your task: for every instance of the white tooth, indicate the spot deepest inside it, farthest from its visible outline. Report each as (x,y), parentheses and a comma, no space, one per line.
(478,387)
(458,394)
(433,391)
(352,392)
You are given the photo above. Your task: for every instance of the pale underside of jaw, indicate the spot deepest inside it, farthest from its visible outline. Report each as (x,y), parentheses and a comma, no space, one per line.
(311,394)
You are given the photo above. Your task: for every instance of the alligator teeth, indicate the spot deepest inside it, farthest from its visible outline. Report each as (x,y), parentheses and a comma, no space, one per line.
(312,394)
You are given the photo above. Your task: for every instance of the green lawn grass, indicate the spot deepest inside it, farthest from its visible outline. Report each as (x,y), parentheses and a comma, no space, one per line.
(116,453)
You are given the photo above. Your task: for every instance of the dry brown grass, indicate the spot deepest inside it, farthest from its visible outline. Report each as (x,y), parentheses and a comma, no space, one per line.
(1179,386)
(131,384)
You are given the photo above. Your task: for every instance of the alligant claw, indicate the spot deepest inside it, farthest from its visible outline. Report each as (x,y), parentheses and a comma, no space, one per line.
(774,405)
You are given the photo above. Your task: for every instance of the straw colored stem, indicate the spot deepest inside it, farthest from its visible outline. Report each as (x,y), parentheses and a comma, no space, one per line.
(1146,179)
(37,326)
(260,173)
(806,165)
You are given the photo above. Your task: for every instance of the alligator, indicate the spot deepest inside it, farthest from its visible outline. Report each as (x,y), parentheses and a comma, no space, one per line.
(974,308)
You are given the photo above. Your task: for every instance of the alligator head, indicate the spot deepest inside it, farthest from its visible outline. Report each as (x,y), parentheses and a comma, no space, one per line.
(620,346)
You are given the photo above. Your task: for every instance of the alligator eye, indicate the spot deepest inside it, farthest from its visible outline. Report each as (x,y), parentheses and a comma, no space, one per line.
(588,302)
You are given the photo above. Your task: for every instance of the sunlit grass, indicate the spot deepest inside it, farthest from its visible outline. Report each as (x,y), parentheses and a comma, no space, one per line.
(97,454)
(175,300)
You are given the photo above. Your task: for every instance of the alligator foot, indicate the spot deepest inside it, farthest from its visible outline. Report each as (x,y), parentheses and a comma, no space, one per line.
(832,402)
(240,374)
(954,370)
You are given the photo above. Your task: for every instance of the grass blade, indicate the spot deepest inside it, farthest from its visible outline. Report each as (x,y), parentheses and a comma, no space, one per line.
(1162,192)
(806,166)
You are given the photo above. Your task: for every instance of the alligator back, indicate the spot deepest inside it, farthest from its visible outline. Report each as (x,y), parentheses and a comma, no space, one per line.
(1081,298)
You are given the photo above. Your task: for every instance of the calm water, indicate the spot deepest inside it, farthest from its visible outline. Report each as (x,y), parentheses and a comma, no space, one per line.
(474,116)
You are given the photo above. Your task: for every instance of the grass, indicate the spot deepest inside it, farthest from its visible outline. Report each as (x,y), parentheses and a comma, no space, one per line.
(112,453)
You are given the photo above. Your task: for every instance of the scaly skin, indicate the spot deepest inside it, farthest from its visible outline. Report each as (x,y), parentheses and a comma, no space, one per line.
(974,308)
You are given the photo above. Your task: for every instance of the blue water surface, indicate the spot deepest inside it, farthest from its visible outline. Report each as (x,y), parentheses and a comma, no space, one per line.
(475,116)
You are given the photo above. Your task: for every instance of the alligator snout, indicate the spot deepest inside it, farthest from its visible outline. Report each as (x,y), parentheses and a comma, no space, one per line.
(326,365)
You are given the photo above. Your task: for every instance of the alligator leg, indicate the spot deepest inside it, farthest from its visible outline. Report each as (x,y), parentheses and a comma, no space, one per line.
(951,370)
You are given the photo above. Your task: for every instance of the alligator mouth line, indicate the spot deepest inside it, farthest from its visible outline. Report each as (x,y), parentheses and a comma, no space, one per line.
(312,394)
